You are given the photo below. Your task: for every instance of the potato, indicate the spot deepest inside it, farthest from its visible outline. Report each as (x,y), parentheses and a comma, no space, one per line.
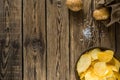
(100,69)
(94,53)
(101,14)
(105,56)
(84,63)
(74,5)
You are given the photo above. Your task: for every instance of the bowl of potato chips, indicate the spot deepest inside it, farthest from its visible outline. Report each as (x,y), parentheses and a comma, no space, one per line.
(98,63)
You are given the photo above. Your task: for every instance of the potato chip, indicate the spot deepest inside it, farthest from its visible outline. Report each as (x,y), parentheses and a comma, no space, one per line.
(114,64)
(84,63)
(100,68)
(82,75)
(94,53)
(117,75)
(93,62)
(114,68)
(110,73)
(111,62)
(117,65)
(111,78)
(91,76)
(105,56)
(83,78)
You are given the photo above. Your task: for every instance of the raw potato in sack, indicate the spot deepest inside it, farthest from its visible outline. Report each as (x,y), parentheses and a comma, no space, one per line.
(112,16)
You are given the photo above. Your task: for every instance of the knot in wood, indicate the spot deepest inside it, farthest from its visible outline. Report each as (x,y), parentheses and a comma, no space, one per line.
(59,4)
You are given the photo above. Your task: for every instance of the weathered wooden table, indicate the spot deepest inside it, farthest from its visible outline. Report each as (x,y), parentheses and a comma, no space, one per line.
(42,39)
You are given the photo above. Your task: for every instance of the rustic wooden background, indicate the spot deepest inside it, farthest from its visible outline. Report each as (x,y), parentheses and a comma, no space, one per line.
(42,39)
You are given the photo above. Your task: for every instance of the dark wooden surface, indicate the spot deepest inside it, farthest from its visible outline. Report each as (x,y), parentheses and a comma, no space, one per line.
(10,40)
(42,39)
(34,37)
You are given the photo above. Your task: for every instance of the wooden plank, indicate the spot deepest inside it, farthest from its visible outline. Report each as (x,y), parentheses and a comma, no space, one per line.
(57,40)
(85,32)
(107,36)
(76,40)
(10,40)
(117,33)
(118,41)
(34,39)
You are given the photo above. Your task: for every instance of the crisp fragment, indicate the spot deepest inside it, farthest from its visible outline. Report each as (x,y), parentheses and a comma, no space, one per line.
(117,75)
(100,68)
(91,76)
(105,56)
(84,63)
(117,64)
(114,64)
(94,53)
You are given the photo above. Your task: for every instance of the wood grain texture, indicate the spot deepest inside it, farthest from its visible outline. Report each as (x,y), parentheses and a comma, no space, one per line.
(118,41)
(76,41)
(10,40)
(57,40)
(53,38)
(34,32)
(85,32)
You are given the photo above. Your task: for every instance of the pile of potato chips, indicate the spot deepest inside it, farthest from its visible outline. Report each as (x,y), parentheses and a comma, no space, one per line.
(98,65)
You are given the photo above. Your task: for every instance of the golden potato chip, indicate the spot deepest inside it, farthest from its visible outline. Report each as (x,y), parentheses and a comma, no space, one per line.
(111,78)
(82,75)
(105,56)
(114,68)
(117,64)
(91,76)
(94,53)
(117,75)
(114,64)
(93,62)
(83,78)
(100,69)
(110,73)
(84,63)
(111,62)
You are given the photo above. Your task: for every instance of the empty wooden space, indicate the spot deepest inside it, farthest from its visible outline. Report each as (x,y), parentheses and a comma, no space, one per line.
(42,39)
